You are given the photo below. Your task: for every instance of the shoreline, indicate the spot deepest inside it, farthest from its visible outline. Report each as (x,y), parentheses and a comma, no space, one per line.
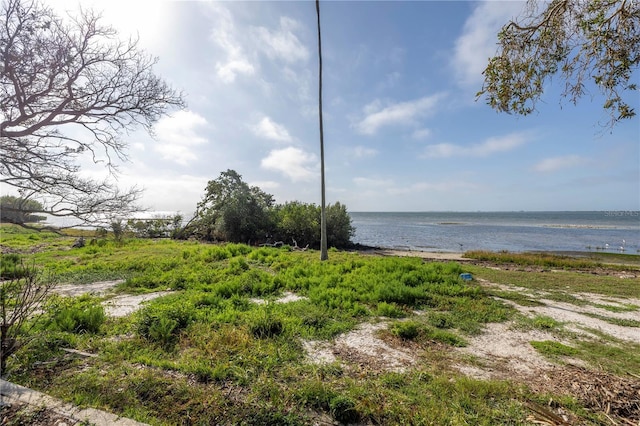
(460,256)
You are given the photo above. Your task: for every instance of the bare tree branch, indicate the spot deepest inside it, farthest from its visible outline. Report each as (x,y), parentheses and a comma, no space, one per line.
(71,88)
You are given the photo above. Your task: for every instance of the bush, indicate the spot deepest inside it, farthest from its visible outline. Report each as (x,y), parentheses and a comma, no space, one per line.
(161,331)
(265,325)
(301,222)
(162,320)
(82,314)
(11,266)
(407,330)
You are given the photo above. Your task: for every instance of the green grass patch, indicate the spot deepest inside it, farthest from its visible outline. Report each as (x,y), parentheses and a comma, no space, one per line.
(561,281)
(560,261)
(209,354)
(551,348)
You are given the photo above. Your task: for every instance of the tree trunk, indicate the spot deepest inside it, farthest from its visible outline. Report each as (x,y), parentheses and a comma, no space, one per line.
(323,218)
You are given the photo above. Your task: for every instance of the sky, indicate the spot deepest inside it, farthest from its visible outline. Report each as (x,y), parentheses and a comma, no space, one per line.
(403,130)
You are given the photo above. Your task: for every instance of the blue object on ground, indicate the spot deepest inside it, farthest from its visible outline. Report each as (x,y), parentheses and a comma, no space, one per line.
(466,276)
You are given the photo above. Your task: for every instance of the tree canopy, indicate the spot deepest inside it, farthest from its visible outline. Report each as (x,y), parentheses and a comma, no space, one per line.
(69,90)
(582,41)
(232,210)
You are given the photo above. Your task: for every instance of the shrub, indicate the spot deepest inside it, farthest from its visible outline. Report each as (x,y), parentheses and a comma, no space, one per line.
(163,320)
(390,310)
(11,266)
(407,330)
(82,314)
(265,324)
(161,331)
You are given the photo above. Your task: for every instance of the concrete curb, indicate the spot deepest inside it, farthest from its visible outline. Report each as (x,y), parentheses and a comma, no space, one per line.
(11,392)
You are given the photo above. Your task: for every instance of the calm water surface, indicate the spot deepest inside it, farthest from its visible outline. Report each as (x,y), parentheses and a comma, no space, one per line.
(512,231)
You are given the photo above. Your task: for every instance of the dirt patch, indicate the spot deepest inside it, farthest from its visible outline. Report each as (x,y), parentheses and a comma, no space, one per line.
(287,297)
(506,352)
(118,306)
(99,288)
(122,306)
(363,347)
(577,317)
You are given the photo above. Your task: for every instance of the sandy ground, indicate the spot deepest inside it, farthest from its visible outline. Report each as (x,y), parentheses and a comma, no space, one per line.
(118,306)
(427,255)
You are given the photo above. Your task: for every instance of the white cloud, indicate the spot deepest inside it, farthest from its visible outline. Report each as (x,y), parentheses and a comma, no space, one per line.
(478,41)
(282,43)
(177,136)
(224,35)
(362,152)
(265,184)
(401,113)
(368,182)
(293,162)
(269,129)
(421,134)
(488,147)
(554,164)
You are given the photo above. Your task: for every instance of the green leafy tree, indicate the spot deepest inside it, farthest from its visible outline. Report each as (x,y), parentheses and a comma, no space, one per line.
(231,210)
(299,221)
(595,41)
(339,227)
(19,210)
(70,89)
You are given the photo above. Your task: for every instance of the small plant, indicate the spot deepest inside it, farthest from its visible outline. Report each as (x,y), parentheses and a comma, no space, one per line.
(11,266)
(266,325)
(407,330)
(162,331)
(390,310)
(83,314)
(343,409)
(543,322)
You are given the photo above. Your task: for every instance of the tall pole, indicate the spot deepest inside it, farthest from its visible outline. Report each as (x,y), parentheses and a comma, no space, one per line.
(323,219)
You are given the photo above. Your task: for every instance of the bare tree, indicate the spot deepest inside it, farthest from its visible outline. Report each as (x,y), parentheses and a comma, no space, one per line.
(324,255)
(580,41)
(20,297)
(70,90)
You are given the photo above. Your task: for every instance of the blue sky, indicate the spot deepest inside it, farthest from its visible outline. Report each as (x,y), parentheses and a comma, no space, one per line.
(403,129)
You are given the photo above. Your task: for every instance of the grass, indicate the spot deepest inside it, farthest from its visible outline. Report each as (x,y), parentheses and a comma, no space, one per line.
(561,282)
(551,260)
(207,353)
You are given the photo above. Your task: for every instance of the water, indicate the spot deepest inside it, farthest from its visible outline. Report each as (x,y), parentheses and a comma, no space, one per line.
(512,231)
